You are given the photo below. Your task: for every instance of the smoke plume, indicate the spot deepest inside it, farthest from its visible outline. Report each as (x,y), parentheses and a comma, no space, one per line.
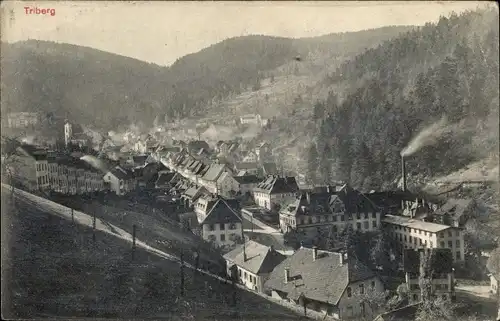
(96,163)
(427,136)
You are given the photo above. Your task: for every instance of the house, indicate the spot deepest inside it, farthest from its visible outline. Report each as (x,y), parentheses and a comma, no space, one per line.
(221,225)
(30,167)
(275,190)
(442,280)
(326,282)
(253,119)
(227,185)
(251,263)
(139,160)
(329,213)
(196,145)
(166,180)
(247,183)
(22,119)
(413,233)
(140,146)
(120,180)
(493,266)
(192,194)
(251,168)
(249,157)
(263,152)
(209,180)
(456,212)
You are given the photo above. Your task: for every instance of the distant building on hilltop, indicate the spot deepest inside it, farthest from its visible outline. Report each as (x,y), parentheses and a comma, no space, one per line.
(22,119)
(251,119)
(75,135)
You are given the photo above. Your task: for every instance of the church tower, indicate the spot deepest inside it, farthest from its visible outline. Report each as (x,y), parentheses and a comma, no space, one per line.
(68,133)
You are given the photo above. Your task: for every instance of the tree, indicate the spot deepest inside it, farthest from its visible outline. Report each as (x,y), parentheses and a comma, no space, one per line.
(312,163)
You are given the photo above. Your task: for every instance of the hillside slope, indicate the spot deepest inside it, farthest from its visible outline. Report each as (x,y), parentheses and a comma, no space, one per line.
(432,92)
(54,269)
(109,90)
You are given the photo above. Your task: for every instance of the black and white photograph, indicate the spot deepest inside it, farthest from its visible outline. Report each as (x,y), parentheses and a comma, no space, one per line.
(250,160)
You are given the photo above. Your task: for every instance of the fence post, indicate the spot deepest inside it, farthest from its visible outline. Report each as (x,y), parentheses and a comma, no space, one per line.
(93,227)
(134,228)
(182,273)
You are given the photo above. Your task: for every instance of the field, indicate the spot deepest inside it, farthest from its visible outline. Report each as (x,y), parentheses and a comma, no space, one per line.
(53,268)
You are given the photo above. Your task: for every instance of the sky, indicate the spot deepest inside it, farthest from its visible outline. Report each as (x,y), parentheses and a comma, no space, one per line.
(161,32)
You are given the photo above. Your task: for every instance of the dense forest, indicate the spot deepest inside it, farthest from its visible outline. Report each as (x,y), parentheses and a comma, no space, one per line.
(445,73)
(108,90)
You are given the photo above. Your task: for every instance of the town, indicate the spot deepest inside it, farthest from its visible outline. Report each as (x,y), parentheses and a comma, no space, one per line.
(331,251)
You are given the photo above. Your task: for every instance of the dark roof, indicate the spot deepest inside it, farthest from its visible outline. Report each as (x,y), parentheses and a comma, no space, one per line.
(139,159)
(196,145)
(164,178)
(35,152)
(275,241)
(122,173)
(277,185)
(324,279)
(223,211)
(353,200)
(258,259)
(194,192)
(248,179)
(270,168)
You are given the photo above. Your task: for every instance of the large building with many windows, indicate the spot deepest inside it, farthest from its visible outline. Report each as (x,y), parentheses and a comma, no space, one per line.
(329,212)
(415,234)
(29,168)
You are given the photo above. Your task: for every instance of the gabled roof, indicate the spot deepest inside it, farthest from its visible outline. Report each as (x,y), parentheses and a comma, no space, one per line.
(324,279)
(222,212)
(278,185)
(196,145)
(258,259)
(165,178)
(122,173)
(248,179)
(194,192)
(214,172)
(33,151)
(406,313)
(139,159)
(246,165)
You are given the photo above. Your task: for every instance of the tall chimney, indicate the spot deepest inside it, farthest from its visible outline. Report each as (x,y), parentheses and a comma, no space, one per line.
(287,275)
(403,172)
(315,253)
(308,196)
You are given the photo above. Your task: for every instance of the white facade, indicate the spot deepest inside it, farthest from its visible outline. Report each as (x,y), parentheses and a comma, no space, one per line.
(414,234)
(268,200)
(227,184)
(31,171)
(22,119)
(68,133)
(117,185)
(222,234)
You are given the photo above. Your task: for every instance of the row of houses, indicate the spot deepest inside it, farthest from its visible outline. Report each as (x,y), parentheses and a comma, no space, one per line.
(38,169)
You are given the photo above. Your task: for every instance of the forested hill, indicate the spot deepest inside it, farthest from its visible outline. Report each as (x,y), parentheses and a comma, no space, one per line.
(442,75)
(105,89)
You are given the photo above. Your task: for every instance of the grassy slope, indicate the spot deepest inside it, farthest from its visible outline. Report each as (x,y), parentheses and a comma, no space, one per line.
(52,268)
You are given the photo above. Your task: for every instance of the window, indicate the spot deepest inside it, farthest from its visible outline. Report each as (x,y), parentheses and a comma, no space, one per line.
(457,243)
(444,297)
(457,257)
(405,238)
(374,215)
(232,226)
(211,227)
(222,226)
(442,244)
(358,216)
(211,238)
(239,273)
(373,284)
(222,237)
(410,238)
(450,244)
(342,218)
(361,289)
(367,225)
(374,224)
(450,234)
(349,293)
(366,215)
(358,226)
